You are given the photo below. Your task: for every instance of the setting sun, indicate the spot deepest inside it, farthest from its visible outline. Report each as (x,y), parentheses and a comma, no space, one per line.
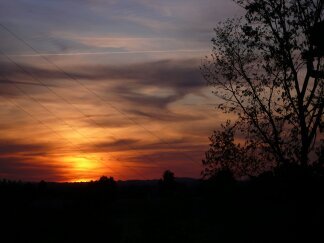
(83,167)
(82,163)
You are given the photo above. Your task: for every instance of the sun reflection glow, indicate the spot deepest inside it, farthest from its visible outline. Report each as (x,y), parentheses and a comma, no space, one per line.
(82,163)
(82,168)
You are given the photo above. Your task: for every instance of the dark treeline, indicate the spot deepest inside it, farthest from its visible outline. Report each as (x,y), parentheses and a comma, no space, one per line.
(268,208)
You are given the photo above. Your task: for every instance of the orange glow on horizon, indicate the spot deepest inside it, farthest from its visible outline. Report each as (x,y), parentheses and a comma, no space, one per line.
(81,163)
(83,167)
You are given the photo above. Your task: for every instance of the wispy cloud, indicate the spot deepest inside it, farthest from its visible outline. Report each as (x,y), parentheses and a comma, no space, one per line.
(107,53)
(141,57)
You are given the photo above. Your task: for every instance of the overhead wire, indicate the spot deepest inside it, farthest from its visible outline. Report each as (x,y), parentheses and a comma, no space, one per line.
(45,125)
(93,93)
(64,122)
(41,83)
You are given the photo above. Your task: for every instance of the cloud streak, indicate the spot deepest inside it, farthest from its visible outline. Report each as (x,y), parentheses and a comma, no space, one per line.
(140,56)
(108,53)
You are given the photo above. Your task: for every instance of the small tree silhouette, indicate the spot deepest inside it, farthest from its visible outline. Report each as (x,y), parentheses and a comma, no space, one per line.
(107,182)
(168,181)
(168,177)
(106,186)
(42,186)
(225,157)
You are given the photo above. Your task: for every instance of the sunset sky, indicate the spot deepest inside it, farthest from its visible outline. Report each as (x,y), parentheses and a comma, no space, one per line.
(94,87)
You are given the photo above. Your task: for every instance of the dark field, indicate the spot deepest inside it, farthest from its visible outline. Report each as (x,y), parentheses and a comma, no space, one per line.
(266,209)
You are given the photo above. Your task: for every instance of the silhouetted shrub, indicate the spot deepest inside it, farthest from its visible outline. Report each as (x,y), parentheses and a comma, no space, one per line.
(167,184)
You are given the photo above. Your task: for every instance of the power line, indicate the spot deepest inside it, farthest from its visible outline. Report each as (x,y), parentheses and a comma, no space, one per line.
(48,127)
(94,93)
(106,53)
(63,121)
(65,100)
(41,83)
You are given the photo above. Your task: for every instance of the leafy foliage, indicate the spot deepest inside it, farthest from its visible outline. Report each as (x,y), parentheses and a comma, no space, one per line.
(224,155)
(267,69)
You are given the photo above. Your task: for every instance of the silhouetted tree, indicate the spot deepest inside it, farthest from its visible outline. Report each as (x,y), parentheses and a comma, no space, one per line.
(320,157)
(42,186)
(107,182)
(266,69)
(168,177)
(105,187)
(167,183)
(224,155)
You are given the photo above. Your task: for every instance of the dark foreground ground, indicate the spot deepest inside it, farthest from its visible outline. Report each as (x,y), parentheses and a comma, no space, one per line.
(261,210)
